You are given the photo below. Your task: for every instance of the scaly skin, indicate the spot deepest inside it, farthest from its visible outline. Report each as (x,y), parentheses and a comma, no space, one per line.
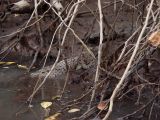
(84,61)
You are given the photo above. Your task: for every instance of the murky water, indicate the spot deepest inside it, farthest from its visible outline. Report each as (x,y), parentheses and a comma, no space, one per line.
(10,108)
(13,108)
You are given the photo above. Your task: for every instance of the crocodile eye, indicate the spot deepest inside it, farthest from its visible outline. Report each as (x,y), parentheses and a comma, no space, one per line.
(60,9)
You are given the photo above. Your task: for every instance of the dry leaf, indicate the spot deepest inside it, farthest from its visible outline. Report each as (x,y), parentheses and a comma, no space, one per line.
(22,67)
(73,110)
(102,105)
(46,104)
(10,63)
(5,67)
(56,97)
(53,117)
(7,63)
(1,63)
(154,39)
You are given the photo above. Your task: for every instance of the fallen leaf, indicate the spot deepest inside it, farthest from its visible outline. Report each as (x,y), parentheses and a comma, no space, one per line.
(5,67)
(46,104)
(2,63)
(73,110)
(22,67)
(53,117)
(56,97)
(9,63)
(154,39)
(102,105)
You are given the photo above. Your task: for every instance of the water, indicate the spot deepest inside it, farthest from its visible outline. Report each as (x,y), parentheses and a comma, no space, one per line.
(13,107)
(10,107)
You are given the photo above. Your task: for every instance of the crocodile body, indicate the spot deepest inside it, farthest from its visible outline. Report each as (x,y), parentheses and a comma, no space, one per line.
(84,61)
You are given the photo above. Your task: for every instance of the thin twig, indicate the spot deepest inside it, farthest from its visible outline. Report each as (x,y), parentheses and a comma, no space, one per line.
(59,53)
(99,52)
(40,35)
(129,64)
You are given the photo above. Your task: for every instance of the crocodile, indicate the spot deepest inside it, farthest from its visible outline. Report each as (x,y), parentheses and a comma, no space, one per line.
(83,61)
